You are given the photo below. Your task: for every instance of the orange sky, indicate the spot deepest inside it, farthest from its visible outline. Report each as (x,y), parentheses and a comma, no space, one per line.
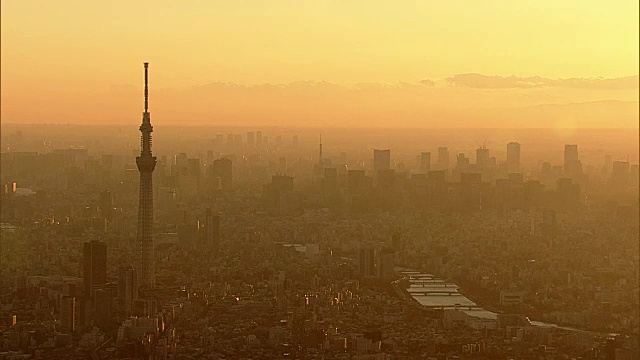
(323,62)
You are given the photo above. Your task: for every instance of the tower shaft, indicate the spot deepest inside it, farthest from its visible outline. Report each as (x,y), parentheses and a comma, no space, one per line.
(146,163)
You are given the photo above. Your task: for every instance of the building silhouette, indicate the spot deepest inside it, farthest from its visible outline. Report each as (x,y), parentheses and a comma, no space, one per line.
(572,165)
(330,183)
(211,236)
(549,223)
(127,290)
(513,157)
(106,205)
(462,163)
(482,158)
(251,139)
(68,314)
(386,263)
(381,165)
(620,175)
(146,164)
(103,307)
(425,162)
(94,266)
(443,158)
(567,192)
(223,174)
(381,160)
(279,193)
(356,181)
(367,263)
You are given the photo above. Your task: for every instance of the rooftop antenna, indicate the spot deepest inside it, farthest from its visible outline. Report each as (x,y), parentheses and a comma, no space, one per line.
(484,144)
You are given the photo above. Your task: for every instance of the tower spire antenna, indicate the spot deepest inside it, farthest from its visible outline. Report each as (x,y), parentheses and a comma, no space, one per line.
(146,87)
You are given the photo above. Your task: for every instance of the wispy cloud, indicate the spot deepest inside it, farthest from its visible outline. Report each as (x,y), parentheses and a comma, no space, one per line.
(480,81)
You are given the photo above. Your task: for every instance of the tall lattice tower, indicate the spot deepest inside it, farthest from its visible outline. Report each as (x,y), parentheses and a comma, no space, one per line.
(146,164)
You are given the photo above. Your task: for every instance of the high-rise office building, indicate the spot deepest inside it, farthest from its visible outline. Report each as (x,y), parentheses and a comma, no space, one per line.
(127,289)
(367,262)
(330,182)
(68,314)
(385,180)
(279,193)
(189,179)
(437,187)
(462,162)
(425,162)
(532,192)
(570,153)
(549,223)
(567,192)
(470,196)
(386,263)
(193,167)
(251,140)
(513,157)
(482,158)
(282,183)
(94,265)
(356,181)
(620,174)
(572,164)
(146,164)
(211,231)
(443,158)
(103,309)
(258,138)
(381,160)
(106,204)
(223,170)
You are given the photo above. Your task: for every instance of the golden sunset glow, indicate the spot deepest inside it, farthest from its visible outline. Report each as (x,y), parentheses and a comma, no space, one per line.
(79,61)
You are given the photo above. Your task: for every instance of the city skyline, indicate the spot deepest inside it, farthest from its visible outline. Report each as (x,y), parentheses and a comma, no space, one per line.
(359,180)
